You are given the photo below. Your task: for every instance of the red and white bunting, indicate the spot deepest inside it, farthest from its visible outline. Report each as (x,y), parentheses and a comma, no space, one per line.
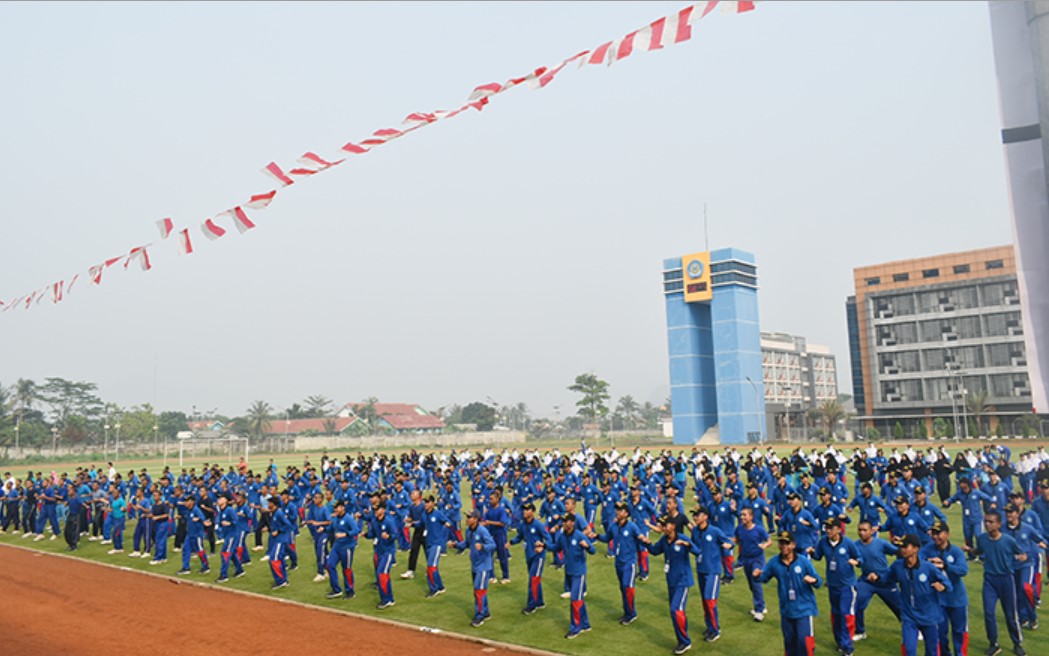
(56,291)
(72,281)
(241,220)
(96,271)
(277,174)
(165,226)
(140,254)
(185,246)
(304,172)
(355,149)
(313,159)
(261,201)
(212,230)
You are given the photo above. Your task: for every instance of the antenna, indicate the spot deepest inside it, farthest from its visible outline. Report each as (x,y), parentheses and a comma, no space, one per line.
(706,235)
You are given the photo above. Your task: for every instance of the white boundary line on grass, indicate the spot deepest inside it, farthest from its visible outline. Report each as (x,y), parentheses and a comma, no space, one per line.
(293,602)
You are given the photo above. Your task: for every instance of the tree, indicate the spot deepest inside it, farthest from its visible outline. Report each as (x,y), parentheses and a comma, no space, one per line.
(522,416)
(330,425)
(317,405)
(25,394)
(595,393)
(940,427)
(650,415)
(873,434)
(897,431)
(629,410)
(259,415)
(295,411)
(481,414)
(68,398)
(366,411)
(171,423)
(976,404)
(830,413)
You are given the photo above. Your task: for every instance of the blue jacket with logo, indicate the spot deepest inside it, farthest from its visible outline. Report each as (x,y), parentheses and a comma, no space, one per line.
(797,599)
(677,560)
(919,602)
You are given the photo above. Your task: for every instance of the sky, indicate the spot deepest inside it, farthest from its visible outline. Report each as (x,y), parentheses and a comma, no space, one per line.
(494,256)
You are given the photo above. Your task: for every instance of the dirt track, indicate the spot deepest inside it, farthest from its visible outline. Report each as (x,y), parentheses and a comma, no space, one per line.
(54,605)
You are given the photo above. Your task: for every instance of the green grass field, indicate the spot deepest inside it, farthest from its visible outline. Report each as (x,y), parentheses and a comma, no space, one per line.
(652,633)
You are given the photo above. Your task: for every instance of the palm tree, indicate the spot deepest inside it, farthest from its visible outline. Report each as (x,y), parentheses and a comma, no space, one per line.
(976,404)
(521,410)
(628,409)
(317,405)
(259,415)
(830,413)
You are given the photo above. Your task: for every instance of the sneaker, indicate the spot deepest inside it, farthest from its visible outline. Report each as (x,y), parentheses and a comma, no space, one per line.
(477,621)
(760,617)
(154,562)
(115,551)
(134,554)
(431,594)
(224,579)
(439,591)
(753,612)
(408,575)
(711,637)
(293,568)
(40,537)
(278,586)
(258,548)
(1019,650)
(540,606)
(682,648)
(566,595)
(643,578)
(993,650)
(527,611)
(319,578)
(859,636)
(504,581)
(54,537)
(239,574)
(175,549)
(264,558)
(145,555)
(333,595)
(349,594)
(182,571)
(384,606)
(627,620)
(572,635)
(204,571)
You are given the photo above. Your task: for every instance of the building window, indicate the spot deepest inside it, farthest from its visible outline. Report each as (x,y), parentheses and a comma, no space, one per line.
(995,264)
(961,268)
(873,281)
(901,277)
(931,273)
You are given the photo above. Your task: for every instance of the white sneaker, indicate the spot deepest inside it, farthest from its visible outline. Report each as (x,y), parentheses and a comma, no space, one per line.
(115,551)
(146,555)
(408,575)
(859,636)
(265,558)
(38,538)
(759,617)
(504,582)
(154,562)
(566,595)
(258,548)
(106,542)
(26,534)
(134,554)
(319,578)
(54,537)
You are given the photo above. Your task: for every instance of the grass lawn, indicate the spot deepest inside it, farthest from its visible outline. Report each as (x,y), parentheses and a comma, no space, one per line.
(652,633)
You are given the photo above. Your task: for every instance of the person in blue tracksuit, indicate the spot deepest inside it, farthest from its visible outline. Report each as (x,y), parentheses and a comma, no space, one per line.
(842,558)
(142,506)
(626,539)
(575,546)
(281,530)
(949,559)
(1032,542)
(870,506)
(710,541)
(318,521)
(753,540)
(161,521)
(497,521)
(435,528)
(478,540)
(762,511)
(226,526)
(537,541)
(906,522)
(345,530)
(244,514)
(999,552)
(874,567)
(920,583)
(800,523)
(383,529)
(796,580)
(118,518)
(194,543)
(677,550)
(972,512)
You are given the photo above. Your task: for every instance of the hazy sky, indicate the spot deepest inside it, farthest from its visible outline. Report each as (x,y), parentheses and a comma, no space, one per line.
(495,255)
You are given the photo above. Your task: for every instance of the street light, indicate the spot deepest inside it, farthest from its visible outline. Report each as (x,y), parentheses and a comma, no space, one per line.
(116,447)
(16,440)
(761,432)
(54,440)
(105,443)
(156,442)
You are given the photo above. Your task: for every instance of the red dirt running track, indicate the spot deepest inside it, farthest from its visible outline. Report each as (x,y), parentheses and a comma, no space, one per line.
(55,605)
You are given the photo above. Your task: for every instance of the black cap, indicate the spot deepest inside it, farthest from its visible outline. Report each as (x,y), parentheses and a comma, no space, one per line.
(666,519)
(793,495)
(831,521)
(476,514)
(939,526)
(621,505)
(700,509)
(901,499)
(784,536)
(824,490)
(429,497)
(909,539)
(528,506)
(1011,508)
(568,516)
(919,490)
(1016,495)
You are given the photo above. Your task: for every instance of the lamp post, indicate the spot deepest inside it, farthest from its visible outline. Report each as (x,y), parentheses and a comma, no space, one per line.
(761,431)
(116,446)
(156,442)
(105,443)
(54,440)
(16,440)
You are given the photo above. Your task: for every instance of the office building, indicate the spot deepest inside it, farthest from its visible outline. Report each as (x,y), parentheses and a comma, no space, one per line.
(798,377)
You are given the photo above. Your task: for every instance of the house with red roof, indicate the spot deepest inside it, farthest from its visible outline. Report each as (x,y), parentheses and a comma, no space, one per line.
(317,426)
(397,418)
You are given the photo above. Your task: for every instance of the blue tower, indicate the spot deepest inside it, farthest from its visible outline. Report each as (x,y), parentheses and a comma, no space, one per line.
(714,341)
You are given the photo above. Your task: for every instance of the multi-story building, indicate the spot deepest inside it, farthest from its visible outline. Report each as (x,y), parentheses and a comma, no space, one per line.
(714,342)
(796,372)
(929,334)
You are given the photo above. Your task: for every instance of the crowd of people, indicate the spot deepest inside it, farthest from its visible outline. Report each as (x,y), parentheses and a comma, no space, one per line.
(711,516)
